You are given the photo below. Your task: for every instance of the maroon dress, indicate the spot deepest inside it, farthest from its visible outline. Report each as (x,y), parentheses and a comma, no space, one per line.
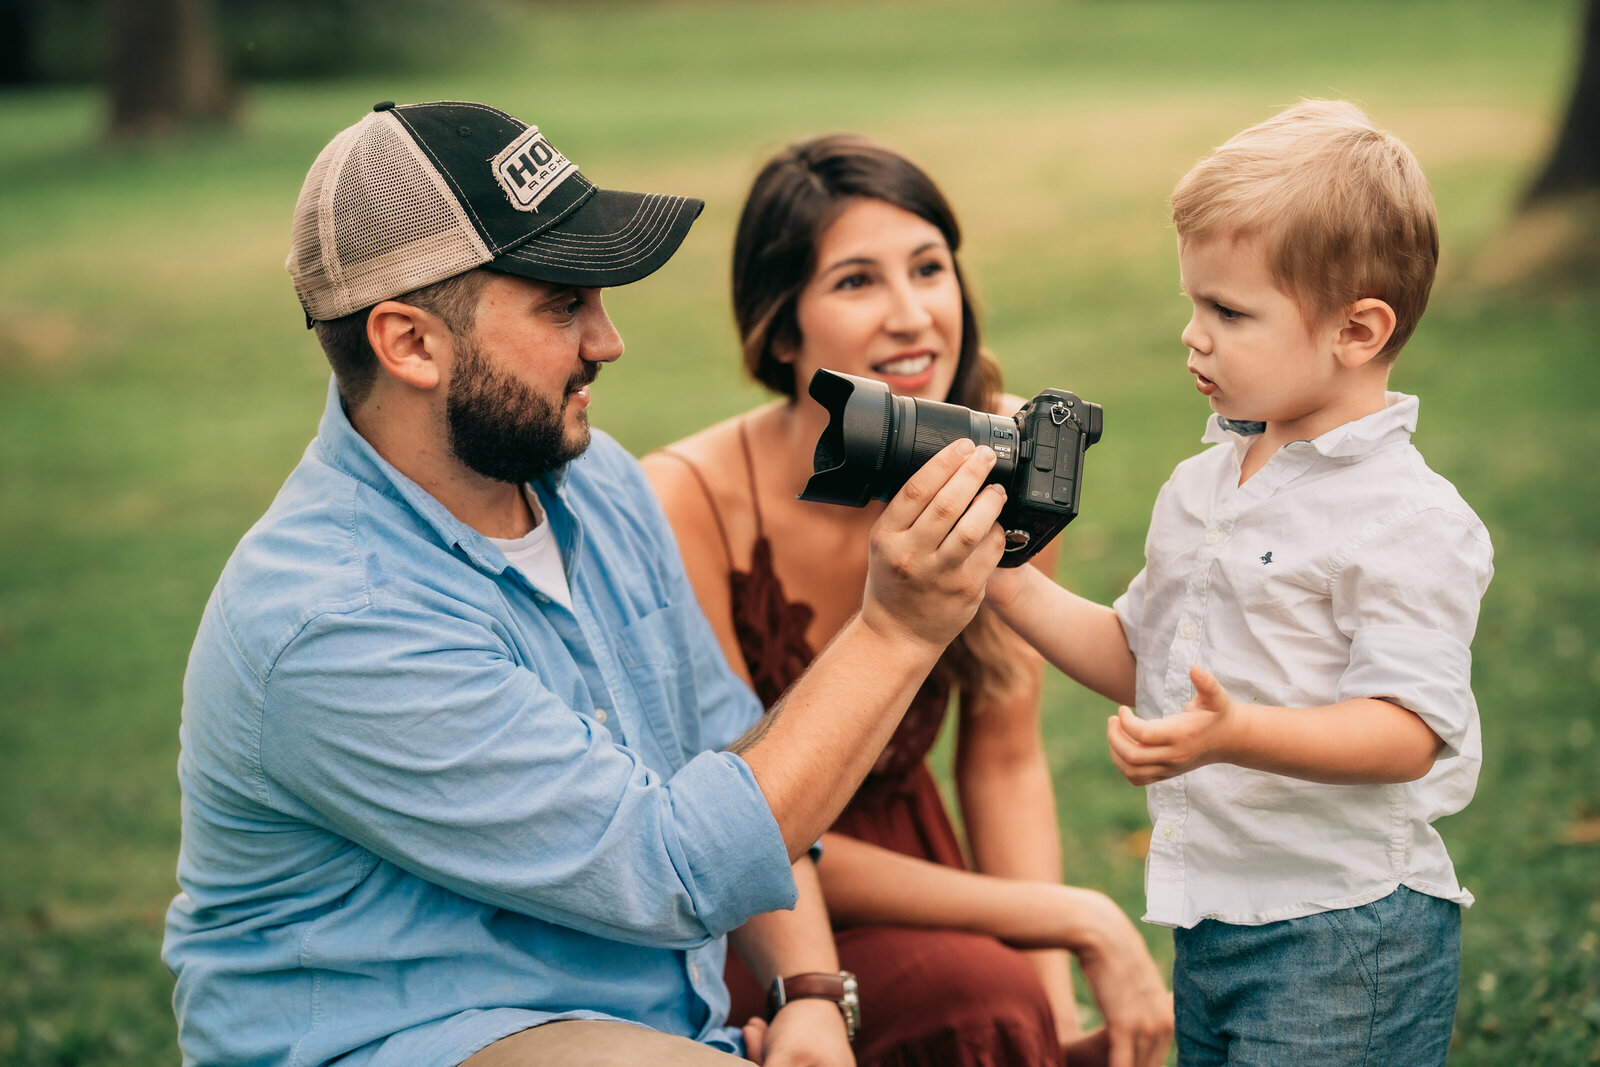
(929,997)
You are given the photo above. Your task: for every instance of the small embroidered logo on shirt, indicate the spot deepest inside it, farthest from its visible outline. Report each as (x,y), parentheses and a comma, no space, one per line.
(1266,558)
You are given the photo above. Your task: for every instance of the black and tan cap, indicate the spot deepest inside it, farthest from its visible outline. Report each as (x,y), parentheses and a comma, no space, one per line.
(415,194)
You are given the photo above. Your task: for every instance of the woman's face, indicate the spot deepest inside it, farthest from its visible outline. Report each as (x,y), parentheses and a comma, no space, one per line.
(884,303)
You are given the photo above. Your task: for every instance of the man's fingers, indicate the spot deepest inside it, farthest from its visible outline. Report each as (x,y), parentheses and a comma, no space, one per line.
(977,526)
(755,1039)
(939,493)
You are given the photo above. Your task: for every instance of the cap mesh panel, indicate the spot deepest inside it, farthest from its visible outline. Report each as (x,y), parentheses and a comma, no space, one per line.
(375,220)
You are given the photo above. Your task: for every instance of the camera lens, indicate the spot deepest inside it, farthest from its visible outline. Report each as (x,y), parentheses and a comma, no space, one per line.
(875,440)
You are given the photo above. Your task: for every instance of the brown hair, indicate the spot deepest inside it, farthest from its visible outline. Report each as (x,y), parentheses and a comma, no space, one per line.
(344,340)
(1342,207)
(793,201)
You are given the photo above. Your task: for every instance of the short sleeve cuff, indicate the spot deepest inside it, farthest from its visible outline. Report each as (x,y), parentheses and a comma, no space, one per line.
(1426,671)
(738,866)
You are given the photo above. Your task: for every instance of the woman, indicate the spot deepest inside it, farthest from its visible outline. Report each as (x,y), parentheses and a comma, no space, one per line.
(845,259)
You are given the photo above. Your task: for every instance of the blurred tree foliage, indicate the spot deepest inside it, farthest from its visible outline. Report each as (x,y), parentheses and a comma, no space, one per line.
(71,41)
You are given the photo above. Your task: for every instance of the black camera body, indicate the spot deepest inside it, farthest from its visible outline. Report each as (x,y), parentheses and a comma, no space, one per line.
(875,441)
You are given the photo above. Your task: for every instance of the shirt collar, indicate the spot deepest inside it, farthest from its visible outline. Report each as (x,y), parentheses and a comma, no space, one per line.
(1396,422)
(342,447)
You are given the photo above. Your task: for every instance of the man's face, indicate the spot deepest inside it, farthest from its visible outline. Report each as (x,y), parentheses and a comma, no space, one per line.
(518,396)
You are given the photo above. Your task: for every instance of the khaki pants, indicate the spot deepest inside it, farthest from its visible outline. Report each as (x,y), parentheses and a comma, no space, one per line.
(596,1043)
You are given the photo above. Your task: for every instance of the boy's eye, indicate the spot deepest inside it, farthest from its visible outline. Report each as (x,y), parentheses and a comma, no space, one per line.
(1225,313)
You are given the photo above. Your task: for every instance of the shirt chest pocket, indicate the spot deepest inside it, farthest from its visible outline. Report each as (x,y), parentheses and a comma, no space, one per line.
(664,667)
(1272,581)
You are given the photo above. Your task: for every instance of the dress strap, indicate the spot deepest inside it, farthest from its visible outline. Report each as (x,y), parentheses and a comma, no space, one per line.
(711,501)
(750,470)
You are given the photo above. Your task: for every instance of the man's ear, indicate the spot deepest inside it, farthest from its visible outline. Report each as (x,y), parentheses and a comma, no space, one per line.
(1364,328)
(408,342)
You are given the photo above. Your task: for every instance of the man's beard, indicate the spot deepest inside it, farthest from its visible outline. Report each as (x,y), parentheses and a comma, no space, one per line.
(500,428)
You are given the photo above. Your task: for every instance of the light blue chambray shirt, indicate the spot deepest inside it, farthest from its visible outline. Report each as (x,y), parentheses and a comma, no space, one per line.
(425,807)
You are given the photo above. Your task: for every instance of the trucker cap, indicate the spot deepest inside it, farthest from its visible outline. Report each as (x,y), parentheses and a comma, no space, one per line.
(415,194)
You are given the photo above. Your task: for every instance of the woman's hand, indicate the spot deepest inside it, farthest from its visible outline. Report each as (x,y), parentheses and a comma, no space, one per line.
(1128,990)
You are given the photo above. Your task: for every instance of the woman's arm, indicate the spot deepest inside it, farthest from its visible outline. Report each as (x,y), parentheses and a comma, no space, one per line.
(1007,797)
(866,884)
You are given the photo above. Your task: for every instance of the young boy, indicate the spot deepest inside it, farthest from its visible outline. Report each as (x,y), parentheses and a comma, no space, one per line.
(1297,643)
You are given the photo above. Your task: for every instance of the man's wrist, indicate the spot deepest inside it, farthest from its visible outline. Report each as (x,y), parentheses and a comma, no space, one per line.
(839,988)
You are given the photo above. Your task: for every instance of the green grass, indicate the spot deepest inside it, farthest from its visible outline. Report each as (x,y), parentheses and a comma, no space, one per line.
(156,386)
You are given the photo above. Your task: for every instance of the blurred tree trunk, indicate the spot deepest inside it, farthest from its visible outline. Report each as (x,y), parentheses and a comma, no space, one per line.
(16,42)
(1574,163)
(166,69)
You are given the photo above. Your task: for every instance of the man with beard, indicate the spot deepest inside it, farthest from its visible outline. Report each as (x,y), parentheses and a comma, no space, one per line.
(465,774)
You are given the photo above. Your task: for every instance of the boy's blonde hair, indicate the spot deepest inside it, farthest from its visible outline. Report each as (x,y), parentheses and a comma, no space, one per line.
(1342,208)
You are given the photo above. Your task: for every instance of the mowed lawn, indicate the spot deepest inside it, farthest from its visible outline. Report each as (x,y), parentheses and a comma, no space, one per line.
(156,385)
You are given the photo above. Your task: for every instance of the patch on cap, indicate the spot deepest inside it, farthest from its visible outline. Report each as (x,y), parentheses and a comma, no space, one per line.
(529,169)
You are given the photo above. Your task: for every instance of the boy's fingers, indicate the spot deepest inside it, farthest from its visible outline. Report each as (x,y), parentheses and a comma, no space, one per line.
(1206,684)
(1136,728)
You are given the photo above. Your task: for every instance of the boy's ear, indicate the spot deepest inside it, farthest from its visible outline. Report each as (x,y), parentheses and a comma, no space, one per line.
(1365,327)
(407,341)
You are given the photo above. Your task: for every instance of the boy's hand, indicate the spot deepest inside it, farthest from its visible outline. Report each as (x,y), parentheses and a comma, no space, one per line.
(1147,751)
(1004,586)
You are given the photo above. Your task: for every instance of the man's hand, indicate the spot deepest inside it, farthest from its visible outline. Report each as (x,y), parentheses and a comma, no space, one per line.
(933,548)
(1154,750)
(805,1033)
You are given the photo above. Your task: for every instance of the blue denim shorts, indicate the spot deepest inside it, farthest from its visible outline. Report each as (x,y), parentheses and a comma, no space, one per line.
(1374,985)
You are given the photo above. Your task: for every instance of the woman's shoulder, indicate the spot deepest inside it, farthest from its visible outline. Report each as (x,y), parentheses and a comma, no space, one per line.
(715,449)
(1007,404)
(701,479)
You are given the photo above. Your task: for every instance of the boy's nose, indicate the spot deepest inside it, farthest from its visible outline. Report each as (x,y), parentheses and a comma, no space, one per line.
(1193,337)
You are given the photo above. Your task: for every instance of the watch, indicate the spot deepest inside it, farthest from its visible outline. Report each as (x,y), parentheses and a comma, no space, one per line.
(840,988)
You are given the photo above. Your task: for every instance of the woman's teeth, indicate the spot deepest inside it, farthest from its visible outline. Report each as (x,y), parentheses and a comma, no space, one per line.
(906,366)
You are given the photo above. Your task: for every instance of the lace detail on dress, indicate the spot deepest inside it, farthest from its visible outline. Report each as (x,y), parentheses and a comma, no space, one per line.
(771,629)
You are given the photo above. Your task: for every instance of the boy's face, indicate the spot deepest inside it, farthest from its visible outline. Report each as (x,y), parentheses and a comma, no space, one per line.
(1250,349)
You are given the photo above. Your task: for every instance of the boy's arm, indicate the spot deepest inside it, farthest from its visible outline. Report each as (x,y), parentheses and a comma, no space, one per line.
(1084,640)
(1358,741)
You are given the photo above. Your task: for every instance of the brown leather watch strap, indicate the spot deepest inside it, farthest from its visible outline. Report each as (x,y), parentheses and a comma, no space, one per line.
(839,988)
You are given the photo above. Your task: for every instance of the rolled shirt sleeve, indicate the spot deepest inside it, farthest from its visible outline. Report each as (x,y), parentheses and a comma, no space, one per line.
(1408,596)
(459,766)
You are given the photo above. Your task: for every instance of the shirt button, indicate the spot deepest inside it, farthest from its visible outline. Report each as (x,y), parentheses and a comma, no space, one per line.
(1188,630)
(600,714)
(541,598)
(694,972)
(1168,832)
(1213,536)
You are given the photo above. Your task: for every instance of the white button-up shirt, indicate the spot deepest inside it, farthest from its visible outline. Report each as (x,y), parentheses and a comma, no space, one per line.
(1343,568)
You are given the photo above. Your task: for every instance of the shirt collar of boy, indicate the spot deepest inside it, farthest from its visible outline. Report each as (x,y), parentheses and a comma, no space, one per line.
(1396,422)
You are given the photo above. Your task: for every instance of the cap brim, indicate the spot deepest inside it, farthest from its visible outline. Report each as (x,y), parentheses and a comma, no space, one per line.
(614,238)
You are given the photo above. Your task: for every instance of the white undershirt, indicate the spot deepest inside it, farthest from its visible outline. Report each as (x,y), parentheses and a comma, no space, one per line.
(538,557)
